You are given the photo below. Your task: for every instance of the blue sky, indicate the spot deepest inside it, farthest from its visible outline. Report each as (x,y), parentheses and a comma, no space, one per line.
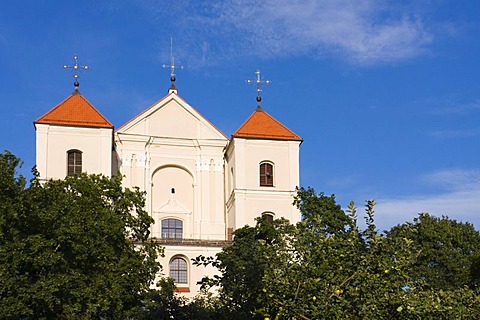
(385,94)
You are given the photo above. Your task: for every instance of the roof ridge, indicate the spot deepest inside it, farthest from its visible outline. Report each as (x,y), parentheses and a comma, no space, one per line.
(255,127)
(244,123)
(86,115)
(94,109)
(53,109)
(278,122)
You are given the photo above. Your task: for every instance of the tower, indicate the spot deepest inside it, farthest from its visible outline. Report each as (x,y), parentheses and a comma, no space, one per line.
(263,169)
(73,137)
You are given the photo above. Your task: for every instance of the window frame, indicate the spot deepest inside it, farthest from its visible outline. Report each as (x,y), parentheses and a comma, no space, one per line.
(178,270)
(74,162)
(266,174)
(172,232)
(269,216)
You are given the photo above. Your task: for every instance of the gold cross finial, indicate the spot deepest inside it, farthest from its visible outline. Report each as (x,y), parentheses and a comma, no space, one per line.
(172,68)
(76,68)
(259,82)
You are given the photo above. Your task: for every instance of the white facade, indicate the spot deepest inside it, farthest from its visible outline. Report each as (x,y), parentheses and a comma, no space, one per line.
(200,185)
(73,126)
(54,141)
(247,199)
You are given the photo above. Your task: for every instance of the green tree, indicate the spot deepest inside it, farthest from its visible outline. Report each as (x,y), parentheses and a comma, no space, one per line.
(326,267)
(449,251)
(341,272)
(244,266)
(77,248)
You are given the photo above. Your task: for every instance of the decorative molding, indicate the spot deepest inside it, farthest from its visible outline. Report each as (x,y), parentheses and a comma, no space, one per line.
(126,159)
(218,165)
(173,207)
(143,161)
(202,165)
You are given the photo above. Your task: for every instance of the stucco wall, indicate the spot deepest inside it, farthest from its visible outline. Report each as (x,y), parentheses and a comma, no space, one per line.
(54,141)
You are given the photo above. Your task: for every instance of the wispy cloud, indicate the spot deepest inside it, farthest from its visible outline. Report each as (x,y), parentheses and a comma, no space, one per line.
(363,32)
(351,28)
(460,205)
(461,133)
(459,108)
(460,199)
(454,179)
(458,111)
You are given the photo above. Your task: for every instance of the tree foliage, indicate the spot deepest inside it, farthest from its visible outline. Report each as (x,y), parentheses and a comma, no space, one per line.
(75,248)
(326,267)
(448,251)
(79,248)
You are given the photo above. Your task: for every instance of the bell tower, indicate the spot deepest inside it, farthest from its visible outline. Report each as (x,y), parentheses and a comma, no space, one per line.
(263,168)
(73,137)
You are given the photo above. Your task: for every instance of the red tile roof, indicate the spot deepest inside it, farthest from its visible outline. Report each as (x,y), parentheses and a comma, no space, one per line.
(261,125)
(75,111)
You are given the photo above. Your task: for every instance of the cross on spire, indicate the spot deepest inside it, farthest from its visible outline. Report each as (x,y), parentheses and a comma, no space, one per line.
(259,82)
(172,68)
(76,68)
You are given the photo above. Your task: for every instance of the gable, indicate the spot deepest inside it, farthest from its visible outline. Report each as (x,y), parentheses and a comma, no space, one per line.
(172,117)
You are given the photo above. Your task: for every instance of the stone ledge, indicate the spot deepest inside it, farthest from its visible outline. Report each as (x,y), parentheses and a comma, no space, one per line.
(193,242)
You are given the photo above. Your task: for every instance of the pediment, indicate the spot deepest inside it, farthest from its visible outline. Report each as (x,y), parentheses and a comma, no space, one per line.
(173,207)
(172,117)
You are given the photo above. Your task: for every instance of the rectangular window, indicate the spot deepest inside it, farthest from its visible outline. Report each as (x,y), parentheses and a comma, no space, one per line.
(74,162)
(268,217)
(172,229)
(266,175)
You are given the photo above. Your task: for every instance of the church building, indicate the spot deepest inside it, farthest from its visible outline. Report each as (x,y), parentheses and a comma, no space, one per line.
(201,185)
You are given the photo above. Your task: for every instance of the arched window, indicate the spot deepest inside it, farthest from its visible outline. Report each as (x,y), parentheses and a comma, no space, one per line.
(266,174)
(268,216)
(74,162)
(172,229)
(179,270)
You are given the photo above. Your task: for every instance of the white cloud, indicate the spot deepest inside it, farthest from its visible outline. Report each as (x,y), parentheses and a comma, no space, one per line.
(352,28)
(459,108)
(459,205)
(461,133)
(454,179)
(361,31)
(460,201)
